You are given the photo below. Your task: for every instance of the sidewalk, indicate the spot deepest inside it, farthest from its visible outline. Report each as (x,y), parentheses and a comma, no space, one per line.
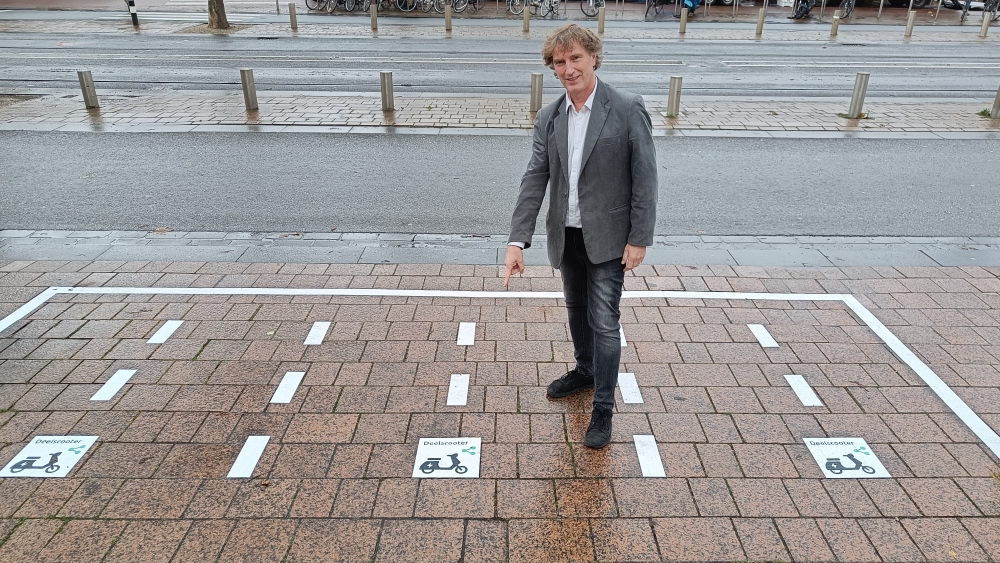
(184,111)
(334,482)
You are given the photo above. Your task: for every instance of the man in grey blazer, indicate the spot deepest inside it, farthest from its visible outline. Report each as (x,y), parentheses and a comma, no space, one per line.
(593,150)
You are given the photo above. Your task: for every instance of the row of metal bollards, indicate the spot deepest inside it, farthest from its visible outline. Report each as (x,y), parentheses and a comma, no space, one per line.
(534,101)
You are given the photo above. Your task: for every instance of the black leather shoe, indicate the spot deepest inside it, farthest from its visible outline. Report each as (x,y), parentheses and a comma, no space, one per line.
(599,431)
(568,384)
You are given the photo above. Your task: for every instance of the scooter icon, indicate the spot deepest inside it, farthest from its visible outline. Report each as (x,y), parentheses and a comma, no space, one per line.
(833,465)
(29,463)
(432,465)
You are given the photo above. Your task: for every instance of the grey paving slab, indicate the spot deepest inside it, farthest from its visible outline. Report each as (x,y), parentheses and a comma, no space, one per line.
(955,256)
(876,256)
(688,256)
(308,255)
(790,257)
(173,253)
(52,251)
(377,254)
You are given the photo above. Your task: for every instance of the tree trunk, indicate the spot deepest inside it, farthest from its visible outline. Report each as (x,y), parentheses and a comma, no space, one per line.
(217,15)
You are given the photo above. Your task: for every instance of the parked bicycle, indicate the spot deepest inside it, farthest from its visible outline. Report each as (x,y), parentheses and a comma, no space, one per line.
(803,7)
(591,7)
(543,8)
(515,6)
(331,5)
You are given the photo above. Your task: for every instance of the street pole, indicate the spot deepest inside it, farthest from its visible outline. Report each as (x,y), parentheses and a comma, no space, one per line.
(90,93)
(535,102)
(249,89)
(858,97)
(674,96)
(684,22)
(385,80)
(131,11)
(292,20)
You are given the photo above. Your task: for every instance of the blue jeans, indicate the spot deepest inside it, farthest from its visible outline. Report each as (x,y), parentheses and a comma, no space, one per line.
(593,293)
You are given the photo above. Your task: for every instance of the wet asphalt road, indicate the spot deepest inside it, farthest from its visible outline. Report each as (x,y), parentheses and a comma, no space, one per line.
(467,184)
(350,64)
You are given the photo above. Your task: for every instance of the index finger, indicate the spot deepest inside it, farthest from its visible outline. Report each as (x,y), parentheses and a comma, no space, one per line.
(506,280)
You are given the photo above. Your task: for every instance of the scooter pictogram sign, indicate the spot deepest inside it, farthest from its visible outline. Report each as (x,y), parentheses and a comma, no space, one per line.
(846,458)
(447,458)
(48,456)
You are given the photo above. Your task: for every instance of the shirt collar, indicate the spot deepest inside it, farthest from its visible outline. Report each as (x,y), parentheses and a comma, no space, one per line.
(589,104)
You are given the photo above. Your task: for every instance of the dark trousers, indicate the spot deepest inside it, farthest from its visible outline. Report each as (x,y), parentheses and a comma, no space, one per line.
(593,293)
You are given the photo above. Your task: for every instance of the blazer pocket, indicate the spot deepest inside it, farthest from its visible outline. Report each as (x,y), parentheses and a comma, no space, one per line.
(619,209)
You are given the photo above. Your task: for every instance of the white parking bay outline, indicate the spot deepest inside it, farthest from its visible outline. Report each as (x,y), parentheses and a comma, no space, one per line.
(976,424)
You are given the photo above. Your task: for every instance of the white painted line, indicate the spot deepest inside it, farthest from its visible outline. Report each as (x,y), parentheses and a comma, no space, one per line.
(165,331)
(246,462)
(27,308)
(970,418)
(113,385)
(466,334)
(649,456)
(621,332)
(940,388)
(629,388)
(803,391)
(316,334)
(763,336)
(286,389)
(458,391)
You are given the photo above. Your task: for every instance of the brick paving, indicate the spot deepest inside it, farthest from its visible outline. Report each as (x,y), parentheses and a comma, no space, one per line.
(364,110)
(334,482)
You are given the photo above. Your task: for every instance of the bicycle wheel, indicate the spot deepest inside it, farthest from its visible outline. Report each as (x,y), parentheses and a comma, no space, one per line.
(515,6)
(461,5)
(350,4)
(313,4)
(406,5)
(533,7)
(365,5)
(546,7)
(846,8)
(438,6)
(589,7)
(477,4)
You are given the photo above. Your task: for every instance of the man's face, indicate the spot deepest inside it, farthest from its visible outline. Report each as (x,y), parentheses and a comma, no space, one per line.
(575,69)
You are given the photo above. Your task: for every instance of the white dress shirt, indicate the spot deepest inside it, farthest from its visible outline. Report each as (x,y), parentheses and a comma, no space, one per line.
(578,122)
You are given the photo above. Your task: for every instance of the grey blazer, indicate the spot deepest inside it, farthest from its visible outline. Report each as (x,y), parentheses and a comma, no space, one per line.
(617,186)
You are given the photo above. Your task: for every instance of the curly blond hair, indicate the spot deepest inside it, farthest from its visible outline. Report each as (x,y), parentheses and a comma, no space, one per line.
(566,36)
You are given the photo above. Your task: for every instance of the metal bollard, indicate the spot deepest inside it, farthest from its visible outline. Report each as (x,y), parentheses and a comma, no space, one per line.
(684,22)
(995,112)
(249,89)
(535,102)
(527,20)
(858,97)
(374,10)
(835,26)
(909,23)
(89,92)
(277,7)
(385,78)
(600,20)
(760,20)
(674,96)
(447,17)
(132,12)
(986,25)
(291,16)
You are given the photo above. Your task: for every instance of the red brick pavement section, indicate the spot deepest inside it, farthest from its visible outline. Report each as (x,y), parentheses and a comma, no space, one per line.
(334,483)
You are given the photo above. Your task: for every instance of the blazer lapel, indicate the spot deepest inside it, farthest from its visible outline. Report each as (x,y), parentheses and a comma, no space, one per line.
(598,115)
(561,127)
